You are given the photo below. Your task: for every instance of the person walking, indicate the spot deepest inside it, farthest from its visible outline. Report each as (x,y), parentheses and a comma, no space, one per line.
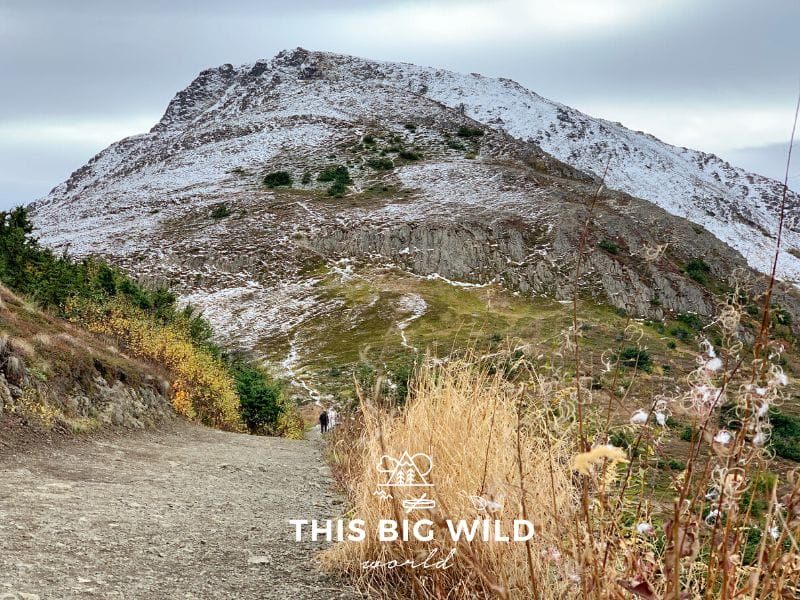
(323,421)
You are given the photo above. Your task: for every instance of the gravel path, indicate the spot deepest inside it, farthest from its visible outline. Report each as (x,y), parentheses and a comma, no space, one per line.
(184,513)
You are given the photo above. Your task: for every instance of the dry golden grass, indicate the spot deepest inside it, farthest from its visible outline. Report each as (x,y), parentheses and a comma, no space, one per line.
(21,347)
(478,430)
(515,441)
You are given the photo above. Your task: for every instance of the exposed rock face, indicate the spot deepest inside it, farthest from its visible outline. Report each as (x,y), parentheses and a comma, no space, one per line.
(119,404)
(109,396)
(5,393)
(470,178)
(520,254)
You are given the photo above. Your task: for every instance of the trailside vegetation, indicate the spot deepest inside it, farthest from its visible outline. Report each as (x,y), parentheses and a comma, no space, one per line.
(206,382)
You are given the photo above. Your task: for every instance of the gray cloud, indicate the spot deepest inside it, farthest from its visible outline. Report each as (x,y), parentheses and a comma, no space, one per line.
(728,69)
(769,160)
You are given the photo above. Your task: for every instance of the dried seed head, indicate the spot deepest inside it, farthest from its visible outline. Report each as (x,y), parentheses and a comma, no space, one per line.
(639,417)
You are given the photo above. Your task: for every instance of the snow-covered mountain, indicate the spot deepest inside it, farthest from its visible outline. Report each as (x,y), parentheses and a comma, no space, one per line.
(738,207)
(452,176)
(226,119)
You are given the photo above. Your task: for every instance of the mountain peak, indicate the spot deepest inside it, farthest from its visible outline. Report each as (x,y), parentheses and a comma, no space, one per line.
(258,110)
(465,178)
(293,57)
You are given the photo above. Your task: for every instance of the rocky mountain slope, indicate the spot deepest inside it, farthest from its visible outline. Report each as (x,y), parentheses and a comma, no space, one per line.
(456,178)
(253,105)
(738,207)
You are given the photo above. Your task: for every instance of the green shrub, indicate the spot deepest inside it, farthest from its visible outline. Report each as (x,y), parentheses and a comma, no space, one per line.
(681,333)
(410,126)
(381,164)
(752,542)
(636,358)
(469,132)
(278,179)
(401,372)
(676,465)
(409,155)
(672,345)
(698,270)
(454,144)
(609,246)
(756,496)
(368,140)
(340,178)
(366,375)
(335,173)
(785,439)
(337,189)
(692,320)
(260,398)
(306,178)
(220,211)
(780,316)
(687,433)
(621,439)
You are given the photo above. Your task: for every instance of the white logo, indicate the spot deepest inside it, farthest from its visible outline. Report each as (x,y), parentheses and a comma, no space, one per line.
(408,471)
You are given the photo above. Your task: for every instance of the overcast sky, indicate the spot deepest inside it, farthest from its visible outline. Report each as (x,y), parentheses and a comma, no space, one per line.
(716,75)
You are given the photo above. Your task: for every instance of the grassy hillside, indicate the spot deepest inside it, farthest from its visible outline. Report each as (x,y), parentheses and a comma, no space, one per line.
(386,316)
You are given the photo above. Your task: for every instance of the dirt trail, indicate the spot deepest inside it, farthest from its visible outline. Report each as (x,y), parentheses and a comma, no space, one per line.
(184,513)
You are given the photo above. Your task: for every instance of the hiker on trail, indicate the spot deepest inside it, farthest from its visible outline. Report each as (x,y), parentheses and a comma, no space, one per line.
(331,418)
(323,421)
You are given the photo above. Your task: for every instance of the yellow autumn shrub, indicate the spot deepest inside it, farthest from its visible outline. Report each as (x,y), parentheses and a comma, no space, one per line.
(290,422)
(202,388)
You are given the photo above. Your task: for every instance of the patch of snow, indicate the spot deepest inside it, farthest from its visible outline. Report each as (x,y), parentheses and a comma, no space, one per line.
(416,306)
(343,267)
(461,284)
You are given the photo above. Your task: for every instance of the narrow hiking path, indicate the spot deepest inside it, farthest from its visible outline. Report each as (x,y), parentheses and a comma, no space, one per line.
(186,512)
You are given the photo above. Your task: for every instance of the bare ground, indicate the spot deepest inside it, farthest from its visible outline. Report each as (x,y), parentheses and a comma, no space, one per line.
(186,512)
